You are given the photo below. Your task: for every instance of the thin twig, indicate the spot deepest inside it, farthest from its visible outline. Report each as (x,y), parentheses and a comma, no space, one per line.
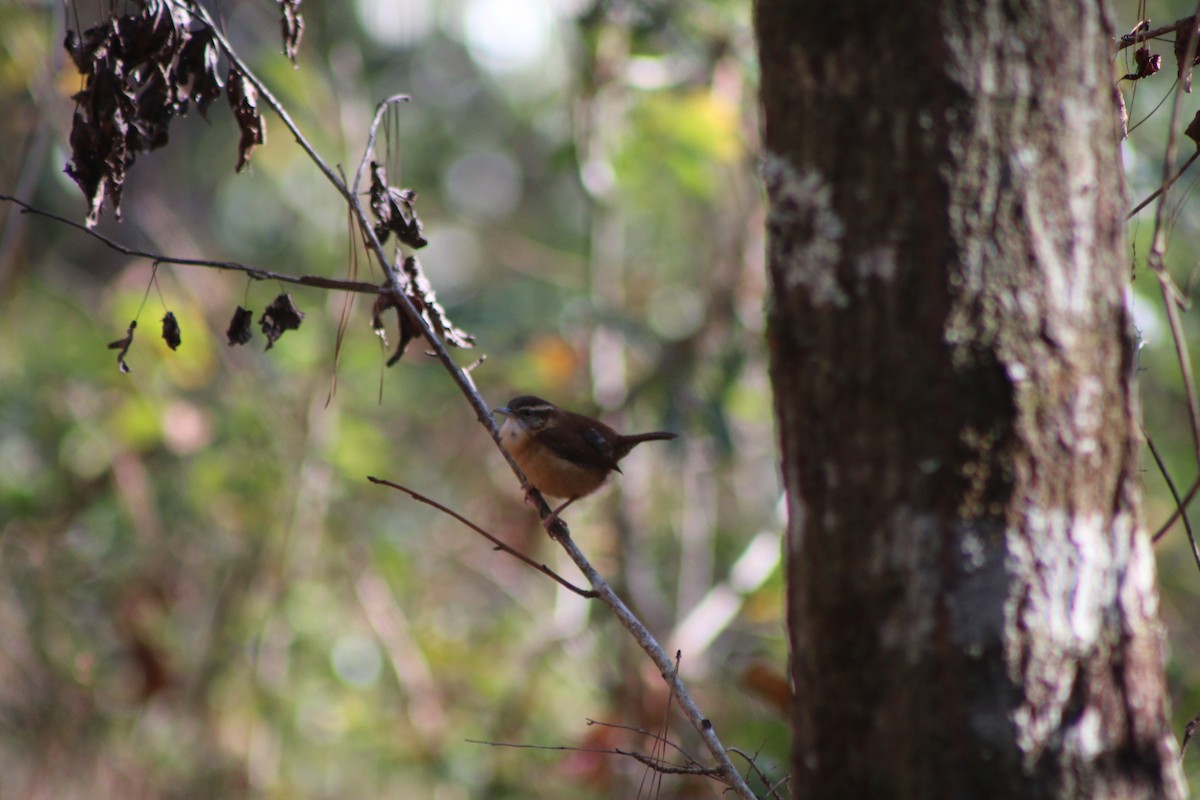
(257,273)
(1180,510)
(1162,467)
(655,764)
(1137,38)
(1164,187)
(661,740)
(415,495)
(753,762)
(380,109)
(650,734)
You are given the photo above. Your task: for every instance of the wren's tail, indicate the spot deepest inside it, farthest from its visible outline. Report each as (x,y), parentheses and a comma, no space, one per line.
(627,443)
(638,438)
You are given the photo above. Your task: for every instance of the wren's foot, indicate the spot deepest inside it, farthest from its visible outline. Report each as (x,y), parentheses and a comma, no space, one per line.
(550,520)
(553,517)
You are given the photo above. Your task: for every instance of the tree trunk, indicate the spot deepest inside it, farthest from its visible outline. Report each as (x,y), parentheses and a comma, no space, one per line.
(972,600)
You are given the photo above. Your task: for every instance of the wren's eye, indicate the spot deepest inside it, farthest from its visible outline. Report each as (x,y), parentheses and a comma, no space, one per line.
(533,417)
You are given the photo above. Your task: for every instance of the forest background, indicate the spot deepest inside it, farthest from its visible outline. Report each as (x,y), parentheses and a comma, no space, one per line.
(201,594)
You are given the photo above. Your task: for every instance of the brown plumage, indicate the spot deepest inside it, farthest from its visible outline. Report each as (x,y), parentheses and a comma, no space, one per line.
(564,454)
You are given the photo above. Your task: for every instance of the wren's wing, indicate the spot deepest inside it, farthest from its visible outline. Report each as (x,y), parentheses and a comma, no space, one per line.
(593,449)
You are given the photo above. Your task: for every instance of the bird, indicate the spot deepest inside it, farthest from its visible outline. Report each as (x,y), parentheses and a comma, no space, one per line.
(564,454)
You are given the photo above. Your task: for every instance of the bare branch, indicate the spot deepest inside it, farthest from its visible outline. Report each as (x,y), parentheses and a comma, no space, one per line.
(655,764)
(257,273)
(650,734)
(1182,169)
(1130,39)
(1180,510)
(370,148)
(499,544)
(772,788)
(1162,467)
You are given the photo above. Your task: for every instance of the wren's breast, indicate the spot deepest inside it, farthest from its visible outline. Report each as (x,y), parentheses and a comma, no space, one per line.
(550,474)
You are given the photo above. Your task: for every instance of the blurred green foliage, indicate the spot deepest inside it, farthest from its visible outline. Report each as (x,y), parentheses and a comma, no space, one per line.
(200,593)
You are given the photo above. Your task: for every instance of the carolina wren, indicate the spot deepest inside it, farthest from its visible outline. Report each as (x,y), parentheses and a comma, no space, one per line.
(564,454)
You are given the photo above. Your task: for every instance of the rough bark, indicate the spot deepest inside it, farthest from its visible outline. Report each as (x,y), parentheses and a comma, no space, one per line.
(972,600)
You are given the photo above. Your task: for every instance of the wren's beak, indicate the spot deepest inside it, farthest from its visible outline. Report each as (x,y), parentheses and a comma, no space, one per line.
(502,410)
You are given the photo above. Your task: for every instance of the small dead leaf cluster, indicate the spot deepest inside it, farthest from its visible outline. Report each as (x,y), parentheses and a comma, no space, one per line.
(142,70)
(281,316)
(419,291)
(395,214)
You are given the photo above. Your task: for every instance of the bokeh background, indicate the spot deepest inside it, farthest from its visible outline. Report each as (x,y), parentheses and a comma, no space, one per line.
(200,593)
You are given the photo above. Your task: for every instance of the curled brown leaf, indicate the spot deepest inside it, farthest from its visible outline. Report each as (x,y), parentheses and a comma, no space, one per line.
(291,27)
(394,212)
(122,345)
(170,331)
(243,99)
(239,331)
(1183,39)
(419,291)
(281,316)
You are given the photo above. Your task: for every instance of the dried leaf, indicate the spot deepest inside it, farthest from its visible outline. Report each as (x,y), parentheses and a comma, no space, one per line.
(198,68)
(142,70)
(1192,131)
(239,331)
(1147,64)
(417,288)
(123,345)
(99,135)
(407,329)
(282,315)
(83,49)
(243,99)
(394,212)
(291,26)
(1183,37)
(170,331)
(146,36)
